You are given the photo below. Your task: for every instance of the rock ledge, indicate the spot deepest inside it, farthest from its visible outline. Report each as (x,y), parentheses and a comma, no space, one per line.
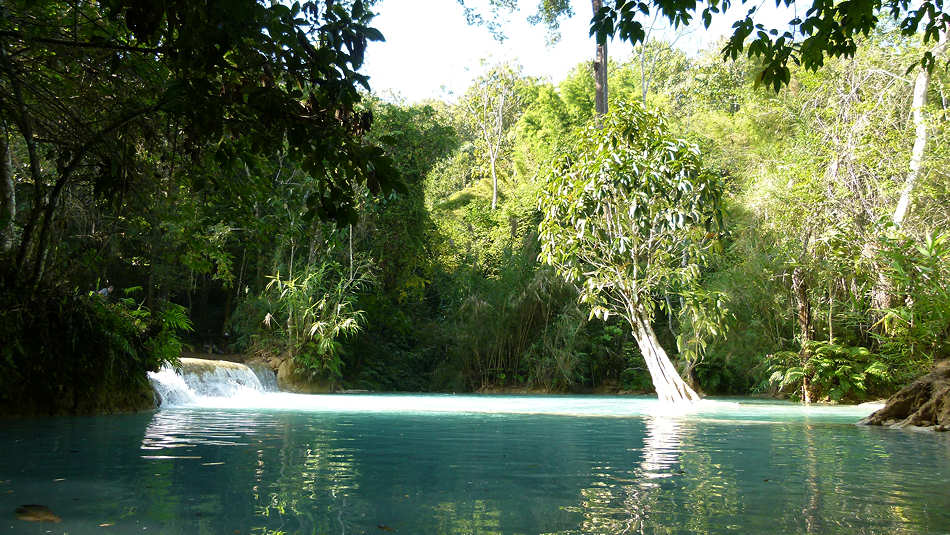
(925,403)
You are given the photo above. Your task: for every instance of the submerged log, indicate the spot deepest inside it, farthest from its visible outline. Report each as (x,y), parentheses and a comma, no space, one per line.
(923,403)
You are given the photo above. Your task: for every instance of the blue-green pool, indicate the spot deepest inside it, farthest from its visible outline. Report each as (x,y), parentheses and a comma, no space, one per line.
(268,463)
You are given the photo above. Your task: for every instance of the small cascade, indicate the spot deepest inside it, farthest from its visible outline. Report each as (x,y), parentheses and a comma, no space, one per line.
(200,378)
(265,375)
(171,387)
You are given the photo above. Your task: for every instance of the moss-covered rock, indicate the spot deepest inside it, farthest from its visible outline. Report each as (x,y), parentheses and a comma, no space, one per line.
(291,377)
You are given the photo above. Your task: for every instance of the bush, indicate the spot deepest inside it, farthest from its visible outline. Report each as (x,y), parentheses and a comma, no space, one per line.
(835,372)
(70,352)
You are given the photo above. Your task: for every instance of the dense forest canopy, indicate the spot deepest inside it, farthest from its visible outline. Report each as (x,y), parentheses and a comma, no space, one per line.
(176,176)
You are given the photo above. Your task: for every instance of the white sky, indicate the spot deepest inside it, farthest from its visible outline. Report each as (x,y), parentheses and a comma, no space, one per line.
(431,52)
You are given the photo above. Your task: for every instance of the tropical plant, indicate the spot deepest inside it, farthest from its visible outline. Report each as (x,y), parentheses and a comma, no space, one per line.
(834,372)
(315,310)
(628,213)
(917,325)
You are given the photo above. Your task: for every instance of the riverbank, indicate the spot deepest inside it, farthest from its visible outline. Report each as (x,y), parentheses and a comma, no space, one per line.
(923,404)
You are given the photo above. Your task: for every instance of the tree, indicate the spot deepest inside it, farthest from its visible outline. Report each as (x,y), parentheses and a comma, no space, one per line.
(918,107)
(109,95)
(600,68)
(7,196)
(549,13)
(828,29)
(491,105)
(629,212)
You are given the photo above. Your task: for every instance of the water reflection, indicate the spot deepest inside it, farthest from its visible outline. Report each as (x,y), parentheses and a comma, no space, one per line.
(661,448)
(213,471)
(626,499)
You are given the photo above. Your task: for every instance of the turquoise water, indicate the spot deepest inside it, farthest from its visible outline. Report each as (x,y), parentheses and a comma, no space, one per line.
(373,464)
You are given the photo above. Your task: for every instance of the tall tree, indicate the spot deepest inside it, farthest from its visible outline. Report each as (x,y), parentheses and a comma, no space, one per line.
(600,68)
(7,195)
(549,13)
(491,104)
(628,214)
(828,29)
(918,108)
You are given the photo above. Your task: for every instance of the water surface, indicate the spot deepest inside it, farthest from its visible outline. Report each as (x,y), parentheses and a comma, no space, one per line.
(262,463)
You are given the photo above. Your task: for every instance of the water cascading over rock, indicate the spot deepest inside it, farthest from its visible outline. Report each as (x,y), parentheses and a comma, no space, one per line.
(199,378)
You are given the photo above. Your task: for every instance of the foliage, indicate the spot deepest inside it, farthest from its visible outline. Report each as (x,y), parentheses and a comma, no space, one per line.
(827,30)
(628,213)
(835,372)
(177,89)
(917,328)
(703,316)
(199,157)
(315,310)
(75,352)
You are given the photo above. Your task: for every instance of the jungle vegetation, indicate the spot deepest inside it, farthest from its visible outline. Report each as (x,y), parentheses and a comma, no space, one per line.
(175,176)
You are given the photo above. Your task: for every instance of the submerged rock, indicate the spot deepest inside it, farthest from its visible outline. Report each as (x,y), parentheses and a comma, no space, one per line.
(923,403)
(36,513)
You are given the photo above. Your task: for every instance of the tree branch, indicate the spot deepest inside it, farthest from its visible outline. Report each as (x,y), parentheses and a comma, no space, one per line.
(82,44)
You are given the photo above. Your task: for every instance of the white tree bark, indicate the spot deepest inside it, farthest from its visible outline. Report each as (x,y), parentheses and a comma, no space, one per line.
(921,85)
(498,135)
(489,109)
(670,387)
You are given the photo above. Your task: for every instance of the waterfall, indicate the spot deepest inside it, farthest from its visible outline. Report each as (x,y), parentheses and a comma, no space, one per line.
(199,378)
(265,375)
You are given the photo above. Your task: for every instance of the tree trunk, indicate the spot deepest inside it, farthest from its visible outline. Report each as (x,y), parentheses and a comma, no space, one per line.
(7,196)
(800,288)
(49,213)
(600,70)
(920,135)
(498,135)
(670,387)
(494,186)
(882,294)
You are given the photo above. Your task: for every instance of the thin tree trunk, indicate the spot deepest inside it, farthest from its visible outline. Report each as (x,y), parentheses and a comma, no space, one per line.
(670,387)
(494,186)
(800,289)
(25,125)
(42,244)
(499,123)
(7,195)
(882,294)
(920,135)
(600,70)
(831,307)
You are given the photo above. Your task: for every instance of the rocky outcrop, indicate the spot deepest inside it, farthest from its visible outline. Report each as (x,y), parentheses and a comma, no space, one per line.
(925,403)
(201,366)
(294,378)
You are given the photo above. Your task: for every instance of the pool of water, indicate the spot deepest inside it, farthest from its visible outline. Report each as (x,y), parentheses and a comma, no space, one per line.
(371,464)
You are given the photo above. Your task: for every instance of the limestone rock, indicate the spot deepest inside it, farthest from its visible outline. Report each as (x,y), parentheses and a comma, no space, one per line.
(293,378)
(203,366)
(923,403)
